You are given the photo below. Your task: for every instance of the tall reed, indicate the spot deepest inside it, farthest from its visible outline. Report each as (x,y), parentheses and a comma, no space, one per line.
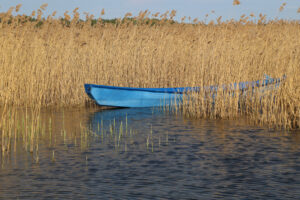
(49,60)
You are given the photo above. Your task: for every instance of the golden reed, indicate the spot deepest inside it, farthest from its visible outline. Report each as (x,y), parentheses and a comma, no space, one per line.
(47,61)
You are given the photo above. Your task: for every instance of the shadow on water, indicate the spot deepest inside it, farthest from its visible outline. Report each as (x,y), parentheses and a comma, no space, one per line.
(146,153)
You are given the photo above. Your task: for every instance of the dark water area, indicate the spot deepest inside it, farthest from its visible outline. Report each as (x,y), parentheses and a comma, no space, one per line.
(147,154)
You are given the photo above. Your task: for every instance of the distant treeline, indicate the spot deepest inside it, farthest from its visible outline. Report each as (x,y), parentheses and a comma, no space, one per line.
(67,22)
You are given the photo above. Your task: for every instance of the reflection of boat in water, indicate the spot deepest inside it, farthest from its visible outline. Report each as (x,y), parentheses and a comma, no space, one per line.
(122,114)
(152,97)
(126,115)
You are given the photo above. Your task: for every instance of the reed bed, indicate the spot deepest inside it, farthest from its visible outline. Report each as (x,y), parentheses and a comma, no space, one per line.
(26,129)
(32,132)
(47,61)
(20,127)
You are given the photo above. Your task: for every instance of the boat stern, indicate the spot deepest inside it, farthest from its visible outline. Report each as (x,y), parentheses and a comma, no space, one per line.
(88,90)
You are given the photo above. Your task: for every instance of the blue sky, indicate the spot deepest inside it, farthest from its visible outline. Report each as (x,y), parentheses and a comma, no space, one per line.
(193,8)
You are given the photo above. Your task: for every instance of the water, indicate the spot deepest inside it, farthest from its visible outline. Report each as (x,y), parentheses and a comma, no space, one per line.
(146,154)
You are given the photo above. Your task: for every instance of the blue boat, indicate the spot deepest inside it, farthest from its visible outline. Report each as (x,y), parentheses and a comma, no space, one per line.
(152,97)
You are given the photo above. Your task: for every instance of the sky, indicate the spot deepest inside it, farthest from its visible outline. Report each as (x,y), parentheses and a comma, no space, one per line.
(193,8)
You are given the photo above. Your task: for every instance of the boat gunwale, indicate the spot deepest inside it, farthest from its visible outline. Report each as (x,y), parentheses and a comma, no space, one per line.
(179,90)
(182,90)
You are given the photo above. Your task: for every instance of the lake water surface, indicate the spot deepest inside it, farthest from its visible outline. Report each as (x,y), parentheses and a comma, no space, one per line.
(147,154)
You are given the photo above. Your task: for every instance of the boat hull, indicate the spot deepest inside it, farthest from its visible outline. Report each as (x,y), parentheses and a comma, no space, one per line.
(121,97)
(152,97)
